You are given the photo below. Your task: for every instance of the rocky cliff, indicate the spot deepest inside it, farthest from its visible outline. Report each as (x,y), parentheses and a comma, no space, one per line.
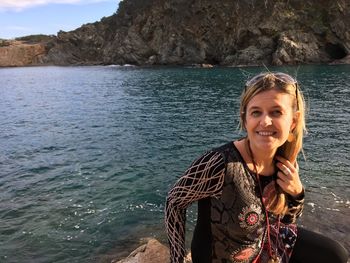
(226,32)
(21,53)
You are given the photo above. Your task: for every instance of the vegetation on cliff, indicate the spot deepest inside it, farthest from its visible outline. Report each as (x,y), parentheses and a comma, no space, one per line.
(31,39)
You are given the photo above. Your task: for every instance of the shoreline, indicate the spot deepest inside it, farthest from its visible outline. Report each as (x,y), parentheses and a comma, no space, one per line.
(24,52)
(193,66)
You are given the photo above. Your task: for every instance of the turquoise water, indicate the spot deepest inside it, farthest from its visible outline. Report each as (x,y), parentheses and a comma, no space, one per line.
(87,154)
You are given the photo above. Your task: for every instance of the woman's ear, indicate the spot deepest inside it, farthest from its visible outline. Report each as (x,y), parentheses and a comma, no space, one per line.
(295,120)
(243,121)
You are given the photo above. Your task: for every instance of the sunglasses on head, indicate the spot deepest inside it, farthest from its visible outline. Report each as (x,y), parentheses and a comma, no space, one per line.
(283,77)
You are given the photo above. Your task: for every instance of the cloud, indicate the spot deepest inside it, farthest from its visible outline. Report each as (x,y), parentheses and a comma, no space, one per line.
(19,5)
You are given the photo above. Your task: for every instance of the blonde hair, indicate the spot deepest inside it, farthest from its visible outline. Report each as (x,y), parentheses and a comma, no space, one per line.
(289,150)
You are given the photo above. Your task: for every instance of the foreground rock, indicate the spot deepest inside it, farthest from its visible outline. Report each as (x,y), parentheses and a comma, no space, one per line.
(206,32)
(151,252)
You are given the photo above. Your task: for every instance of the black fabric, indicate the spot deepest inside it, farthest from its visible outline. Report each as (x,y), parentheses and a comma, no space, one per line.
(202,239)
(313,247)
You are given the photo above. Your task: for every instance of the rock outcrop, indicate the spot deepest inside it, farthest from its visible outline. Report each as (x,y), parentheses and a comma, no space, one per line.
(151,252)
(226,32)
(19,53)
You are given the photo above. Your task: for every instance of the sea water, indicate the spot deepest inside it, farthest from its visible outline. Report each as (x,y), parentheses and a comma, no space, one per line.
(87,154)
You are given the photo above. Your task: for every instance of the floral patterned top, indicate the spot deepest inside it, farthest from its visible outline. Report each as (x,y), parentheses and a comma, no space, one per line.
(231,224)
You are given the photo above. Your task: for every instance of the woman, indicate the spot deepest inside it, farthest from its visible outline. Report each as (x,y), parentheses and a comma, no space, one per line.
(249,192)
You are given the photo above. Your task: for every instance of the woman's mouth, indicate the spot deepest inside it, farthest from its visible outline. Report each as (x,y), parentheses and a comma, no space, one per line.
(266,133)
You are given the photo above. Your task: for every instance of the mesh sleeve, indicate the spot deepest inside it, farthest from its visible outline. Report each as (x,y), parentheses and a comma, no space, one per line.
(203,178)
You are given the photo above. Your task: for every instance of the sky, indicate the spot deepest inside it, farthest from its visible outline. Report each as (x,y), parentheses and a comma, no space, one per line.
(29,17)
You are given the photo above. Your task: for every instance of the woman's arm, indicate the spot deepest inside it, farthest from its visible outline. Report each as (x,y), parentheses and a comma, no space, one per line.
(202,179)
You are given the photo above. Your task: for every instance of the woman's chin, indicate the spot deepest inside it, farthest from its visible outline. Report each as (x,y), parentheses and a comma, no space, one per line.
(267,143)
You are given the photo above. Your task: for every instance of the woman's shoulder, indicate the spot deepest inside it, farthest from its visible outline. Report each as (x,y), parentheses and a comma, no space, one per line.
(224,147)
(229,151)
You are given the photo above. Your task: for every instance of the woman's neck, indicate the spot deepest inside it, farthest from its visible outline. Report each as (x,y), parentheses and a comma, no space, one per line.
(264,167)
(264,161)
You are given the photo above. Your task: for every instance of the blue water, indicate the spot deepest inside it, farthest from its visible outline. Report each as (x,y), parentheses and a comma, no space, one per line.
(87,154)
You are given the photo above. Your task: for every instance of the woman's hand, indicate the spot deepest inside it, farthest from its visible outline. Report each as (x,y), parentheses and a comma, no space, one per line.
(288,177)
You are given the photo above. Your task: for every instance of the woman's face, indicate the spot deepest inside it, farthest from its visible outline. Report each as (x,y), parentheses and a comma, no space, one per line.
(269,119)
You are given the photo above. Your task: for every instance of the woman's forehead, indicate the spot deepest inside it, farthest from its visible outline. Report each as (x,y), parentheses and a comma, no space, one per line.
(271,98)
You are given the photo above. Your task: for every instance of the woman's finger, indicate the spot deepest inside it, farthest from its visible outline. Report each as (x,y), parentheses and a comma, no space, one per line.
(287,171)
(284,161)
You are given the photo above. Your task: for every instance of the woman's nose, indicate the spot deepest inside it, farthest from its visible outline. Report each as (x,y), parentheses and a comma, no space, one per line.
(266,120)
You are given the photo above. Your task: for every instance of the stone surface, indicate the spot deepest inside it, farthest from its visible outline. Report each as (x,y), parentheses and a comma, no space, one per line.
(18,53)
(152,252)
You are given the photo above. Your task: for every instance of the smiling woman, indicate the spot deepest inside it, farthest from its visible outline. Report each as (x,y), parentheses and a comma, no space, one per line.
(249,191)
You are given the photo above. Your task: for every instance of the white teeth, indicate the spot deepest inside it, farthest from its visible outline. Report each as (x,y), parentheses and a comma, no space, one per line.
(265,133)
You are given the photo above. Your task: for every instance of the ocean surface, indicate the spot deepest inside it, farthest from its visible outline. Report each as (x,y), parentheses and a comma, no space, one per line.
(87,154)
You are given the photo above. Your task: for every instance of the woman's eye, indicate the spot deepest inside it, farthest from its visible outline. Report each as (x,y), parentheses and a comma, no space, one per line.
(276,113)
(255,113)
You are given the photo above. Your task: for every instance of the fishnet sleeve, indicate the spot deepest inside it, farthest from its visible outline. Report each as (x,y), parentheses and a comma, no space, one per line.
(202,179)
